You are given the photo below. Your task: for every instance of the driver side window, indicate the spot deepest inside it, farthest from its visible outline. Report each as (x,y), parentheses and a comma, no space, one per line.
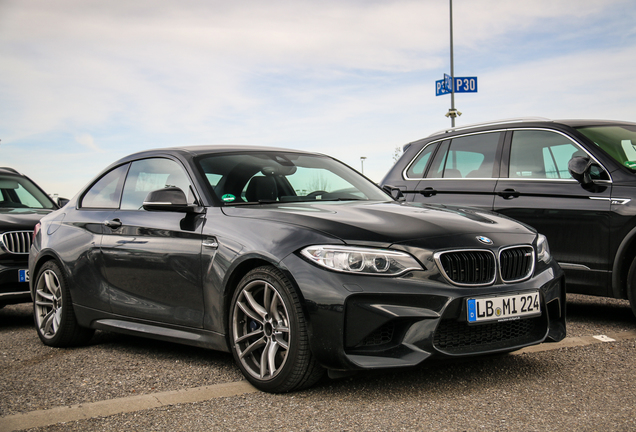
(148,175)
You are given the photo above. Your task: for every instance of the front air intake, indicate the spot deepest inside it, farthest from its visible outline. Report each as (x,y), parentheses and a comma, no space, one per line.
(468,267)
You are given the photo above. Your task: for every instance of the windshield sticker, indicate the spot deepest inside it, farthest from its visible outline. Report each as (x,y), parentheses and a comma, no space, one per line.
(228,198)
(630,164)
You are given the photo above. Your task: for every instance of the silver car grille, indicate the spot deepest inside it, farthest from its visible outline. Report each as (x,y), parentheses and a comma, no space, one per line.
(17,242)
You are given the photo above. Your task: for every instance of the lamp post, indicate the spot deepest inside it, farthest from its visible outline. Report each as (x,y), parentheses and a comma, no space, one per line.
(362,158)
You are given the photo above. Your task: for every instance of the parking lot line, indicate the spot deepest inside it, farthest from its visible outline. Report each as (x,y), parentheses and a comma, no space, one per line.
(122,405)
(137,403)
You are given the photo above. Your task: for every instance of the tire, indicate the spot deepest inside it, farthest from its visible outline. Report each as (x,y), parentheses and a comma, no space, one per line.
(631,286)
(53,312)
(268,333)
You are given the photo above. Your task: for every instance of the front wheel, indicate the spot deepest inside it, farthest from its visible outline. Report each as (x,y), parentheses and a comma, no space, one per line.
(53,312)
(268,333)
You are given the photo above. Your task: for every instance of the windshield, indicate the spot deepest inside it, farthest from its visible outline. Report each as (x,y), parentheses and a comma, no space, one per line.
(18,192)
(619,141)
(267,177)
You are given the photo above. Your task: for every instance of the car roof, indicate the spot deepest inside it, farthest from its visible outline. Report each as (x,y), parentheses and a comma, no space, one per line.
(526,122)
(193,151)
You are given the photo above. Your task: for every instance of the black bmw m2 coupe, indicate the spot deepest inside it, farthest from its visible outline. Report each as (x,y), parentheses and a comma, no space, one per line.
(292,261)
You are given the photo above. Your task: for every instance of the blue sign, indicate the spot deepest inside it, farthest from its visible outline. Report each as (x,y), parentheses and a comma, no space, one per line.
(462,85)
(440,88)
(466,85)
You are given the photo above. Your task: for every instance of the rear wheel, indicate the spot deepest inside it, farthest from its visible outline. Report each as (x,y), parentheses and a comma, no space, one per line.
(268,333)
(53,310)
(631,286)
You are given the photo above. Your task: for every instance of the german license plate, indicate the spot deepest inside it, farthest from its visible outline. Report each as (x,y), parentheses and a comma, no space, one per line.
(503,308)
(23,275)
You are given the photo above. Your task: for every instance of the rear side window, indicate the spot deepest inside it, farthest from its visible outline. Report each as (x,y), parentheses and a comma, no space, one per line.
(471,156)
(106,193)
(417,169)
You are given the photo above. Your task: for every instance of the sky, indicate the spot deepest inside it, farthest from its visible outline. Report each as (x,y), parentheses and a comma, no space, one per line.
(84,83)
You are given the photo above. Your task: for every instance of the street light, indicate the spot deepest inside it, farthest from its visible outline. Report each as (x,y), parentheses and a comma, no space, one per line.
(362,158)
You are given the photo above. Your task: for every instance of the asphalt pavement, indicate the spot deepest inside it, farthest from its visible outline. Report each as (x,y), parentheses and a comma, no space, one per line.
(120,382)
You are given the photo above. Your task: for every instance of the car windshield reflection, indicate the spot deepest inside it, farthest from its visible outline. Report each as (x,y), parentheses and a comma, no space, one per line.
(274,177)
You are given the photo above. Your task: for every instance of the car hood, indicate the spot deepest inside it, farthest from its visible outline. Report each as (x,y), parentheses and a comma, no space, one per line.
(20,218)
(390,223)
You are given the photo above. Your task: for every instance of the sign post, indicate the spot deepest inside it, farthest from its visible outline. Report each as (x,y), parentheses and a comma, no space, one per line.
(452,84)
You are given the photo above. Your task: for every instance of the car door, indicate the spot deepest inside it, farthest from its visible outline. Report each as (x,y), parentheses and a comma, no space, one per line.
(152,259)
(537,189)
(86,227)
(463,171)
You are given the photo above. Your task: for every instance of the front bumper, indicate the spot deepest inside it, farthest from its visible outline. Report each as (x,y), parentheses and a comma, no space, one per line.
(364,322)
(11,289)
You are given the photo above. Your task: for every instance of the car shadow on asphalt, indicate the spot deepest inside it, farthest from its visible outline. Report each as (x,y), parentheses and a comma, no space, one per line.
(17,316)
(599,310)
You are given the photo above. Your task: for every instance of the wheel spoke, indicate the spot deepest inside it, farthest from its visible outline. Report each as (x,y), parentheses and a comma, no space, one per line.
(57,319)
(282,342)
(259,343)
(46,295)
(47,322)
(250,313)
(267,297)
(47,304)
(273,309)
(52,284)
(271,357)
(254,304)
(255,333)
(264,359)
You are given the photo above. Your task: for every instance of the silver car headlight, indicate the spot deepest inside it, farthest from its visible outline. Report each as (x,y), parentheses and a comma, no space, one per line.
(360,260)
(543,249)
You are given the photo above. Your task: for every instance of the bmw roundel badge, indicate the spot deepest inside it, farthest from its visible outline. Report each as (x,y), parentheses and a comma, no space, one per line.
(484,240)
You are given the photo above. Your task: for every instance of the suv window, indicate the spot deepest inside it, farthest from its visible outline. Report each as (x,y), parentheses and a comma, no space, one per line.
(470,156)
(619,141)
(544,155)
(18,192)
(418,167)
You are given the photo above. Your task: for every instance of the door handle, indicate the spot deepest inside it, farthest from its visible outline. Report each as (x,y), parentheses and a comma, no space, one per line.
(508,194)
(428,192)
(113,224)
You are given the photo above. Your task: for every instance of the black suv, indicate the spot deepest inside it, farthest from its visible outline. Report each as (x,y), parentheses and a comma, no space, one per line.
(572,180)
(22,205)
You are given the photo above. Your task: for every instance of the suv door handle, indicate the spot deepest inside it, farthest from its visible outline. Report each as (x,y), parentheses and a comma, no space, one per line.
(508,194)
(113,224)
(428,192)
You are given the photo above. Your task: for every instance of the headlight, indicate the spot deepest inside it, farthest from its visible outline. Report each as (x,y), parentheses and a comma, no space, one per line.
(543,250)
(361,260)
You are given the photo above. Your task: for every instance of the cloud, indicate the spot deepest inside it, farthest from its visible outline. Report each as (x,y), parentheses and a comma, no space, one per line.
(344,77)
(87,141)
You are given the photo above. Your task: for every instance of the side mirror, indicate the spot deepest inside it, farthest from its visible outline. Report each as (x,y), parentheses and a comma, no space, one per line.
(169,199)
(394,192)
(61,202)
(579,168)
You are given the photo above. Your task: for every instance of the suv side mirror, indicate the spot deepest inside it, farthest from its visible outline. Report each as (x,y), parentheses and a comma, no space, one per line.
(579,168)
(394,192)
(169,199)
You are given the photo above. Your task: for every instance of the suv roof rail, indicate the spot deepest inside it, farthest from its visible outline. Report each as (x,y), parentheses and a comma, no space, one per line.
(491,123)
(12,170)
